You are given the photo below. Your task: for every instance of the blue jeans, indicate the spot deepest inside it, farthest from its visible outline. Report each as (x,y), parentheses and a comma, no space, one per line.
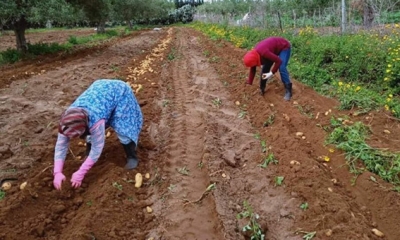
(284,56)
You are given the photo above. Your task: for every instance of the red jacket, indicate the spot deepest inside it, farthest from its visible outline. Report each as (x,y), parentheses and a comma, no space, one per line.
(269,50)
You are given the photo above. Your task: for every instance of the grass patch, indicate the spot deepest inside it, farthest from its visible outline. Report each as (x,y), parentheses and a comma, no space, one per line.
(10,56)
(2,194)
(351,139)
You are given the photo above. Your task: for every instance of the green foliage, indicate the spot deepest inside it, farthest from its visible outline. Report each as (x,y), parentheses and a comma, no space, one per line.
(367,64)
(267,160)
(44,48)
(351,139)
(10,56)
(279,180)
(73,40)
(253,226)
(304,206)
(13,55)
(2,194)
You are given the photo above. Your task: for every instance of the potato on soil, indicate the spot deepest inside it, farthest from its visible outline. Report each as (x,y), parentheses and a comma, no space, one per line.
(6,186)
(149,210)
(23,185)
(138,180)
(377,232)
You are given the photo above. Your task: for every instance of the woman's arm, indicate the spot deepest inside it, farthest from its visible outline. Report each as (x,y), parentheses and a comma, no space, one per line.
(97,135)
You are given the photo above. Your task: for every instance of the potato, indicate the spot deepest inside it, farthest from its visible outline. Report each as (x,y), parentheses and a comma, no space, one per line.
(23,185)
(328,233)
(6,186)
(294,162)
(147,175)
(138,180)
(299,134)
(149,210)
(377,232)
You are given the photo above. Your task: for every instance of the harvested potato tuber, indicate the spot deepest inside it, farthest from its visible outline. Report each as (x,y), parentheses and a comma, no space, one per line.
(6,186)
(23,185)
(149,210)
(138,180)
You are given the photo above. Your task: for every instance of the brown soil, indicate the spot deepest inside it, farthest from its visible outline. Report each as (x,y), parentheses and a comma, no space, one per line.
(8,39)
(192,140)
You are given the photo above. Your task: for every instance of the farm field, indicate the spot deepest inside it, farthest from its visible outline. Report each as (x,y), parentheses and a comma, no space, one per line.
(50,36)
(212,146)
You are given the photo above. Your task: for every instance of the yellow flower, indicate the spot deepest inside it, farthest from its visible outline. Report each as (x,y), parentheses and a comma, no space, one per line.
(389,65)
(388,70)
(347,56)
(358,88)
(331,150)
(388,99)
(390,95)
(348,85)
(386,79)
(340,83)
(326,159)
(386,107)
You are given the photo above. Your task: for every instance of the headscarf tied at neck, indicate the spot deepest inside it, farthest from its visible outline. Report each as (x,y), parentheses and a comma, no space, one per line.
(73,122)
(252,59)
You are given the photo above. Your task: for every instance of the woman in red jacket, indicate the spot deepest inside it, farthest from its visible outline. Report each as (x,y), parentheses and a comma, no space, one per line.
(271,51)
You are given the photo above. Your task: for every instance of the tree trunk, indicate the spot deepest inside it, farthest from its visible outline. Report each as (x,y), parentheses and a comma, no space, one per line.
(101,28)
(19,30)
(368,15)
(130,24)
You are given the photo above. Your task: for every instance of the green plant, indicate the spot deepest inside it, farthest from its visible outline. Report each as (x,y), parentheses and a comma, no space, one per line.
(171,187)
(165,103)
(304,206)
(117,185)
(279,180)
(253,226)
(263,146)
(89,203)
(217,102)
(309,235)
(306,110)
(183,170)
(73,40)
(200,165)
(114,68)
(206,53)
(351,139)
(270,120)
(267,160)
(171,55)
(2,194)
(242,114)
(257,136)
(214,59)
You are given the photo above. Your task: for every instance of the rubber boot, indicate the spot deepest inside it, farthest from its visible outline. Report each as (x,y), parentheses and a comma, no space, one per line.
(88,145)
(88,148)
(131,159)
(263,84)
(288,93)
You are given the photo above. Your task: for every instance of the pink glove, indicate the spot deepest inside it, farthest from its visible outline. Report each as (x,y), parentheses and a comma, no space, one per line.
(78,176)
(58,175)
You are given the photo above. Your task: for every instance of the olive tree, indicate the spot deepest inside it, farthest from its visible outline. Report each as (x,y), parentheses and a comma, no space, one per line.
(18,15)
(97,11)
